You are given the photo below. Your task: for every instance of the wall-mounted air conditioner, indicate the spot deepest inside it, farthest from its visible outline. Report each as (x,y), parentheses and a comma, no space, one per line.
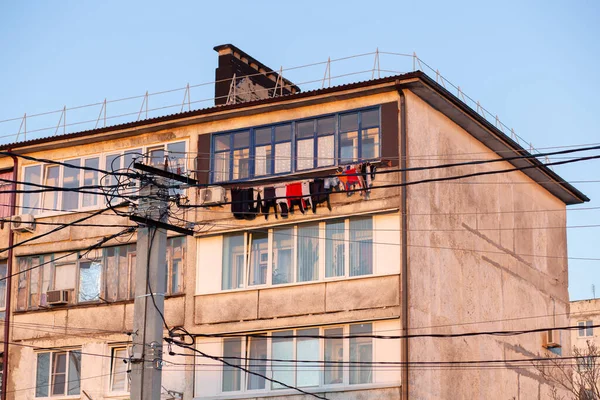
(23,223)
(212,195)
(57,297)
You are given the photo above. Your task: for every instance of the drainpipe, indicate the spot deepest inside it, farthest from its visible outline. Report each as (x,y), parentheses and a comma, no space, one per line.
(404,357)
(9,265)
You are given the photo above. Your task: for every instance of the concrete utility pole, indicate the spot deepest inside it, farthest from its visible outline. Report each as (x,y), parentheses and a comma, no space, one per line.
(150,277)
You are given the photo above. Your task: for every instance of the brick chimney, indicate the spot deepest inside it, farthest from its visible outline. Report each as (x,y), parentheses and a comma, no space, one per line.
(254,80)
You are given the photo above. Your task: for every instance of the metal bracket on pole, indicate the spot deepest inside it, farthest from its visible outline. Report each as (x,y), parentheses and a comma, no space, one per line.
(480,109)
(499,124)
(440,77)
(461,94)
(23,125)
(376,65)
(103,109)
(144,102)
(186,94)
(63,119)
(514,136)
(327,73)
(231,95)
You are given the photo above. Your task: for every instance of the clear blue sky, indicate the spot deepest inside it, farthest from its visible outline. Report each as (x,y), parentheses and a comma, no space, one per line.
(534,64)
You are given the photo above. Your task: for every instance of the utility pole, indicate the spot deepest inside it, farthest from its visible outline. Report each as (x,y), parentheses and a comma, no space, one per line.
(150,288)
(150,280)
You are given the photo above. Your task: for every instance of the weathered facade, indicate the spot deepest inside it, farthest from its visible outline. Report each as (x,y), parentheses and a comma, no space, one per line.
(393,255)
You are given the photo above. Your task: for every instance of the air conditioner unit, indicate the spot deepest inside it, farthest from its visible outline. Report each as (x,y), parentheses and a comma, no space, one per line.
(57,297)
(23,223)
(212,195)
(551,339)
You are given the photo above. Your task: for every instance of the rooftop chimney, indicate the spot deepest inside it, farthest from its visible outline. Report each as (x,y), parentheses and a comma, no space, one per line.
(253,79)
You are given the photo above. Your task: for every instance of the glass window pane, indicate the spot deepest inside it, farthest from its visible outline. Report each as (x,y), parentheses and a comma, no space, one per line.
(177,157)
(305,153)
(283,157)
(64,277)
(308,349)
(335,249)
(325,151)
(123,270)
(308,253)
(334,356)
(3,269)
(130,157)
(349,122)
(361,246)
(233,262)
(257,362)
(326,126)
(70,200)
(259,256)
(349,147)
(282,349)
(59,373)
(283,133)
(361,353)
(241,164)
(581,330)
(283,249)
(119,381)
(588,328)
(262,136)
(156,156)
(31,200)
(34,284)
(74,372)
(24,265)
(111,278)
(241,139)
(47,270)
(221,142)
(42,374)
(369,118)
(263,160)
(89,281)
(370,143)
(221,169)
(305,129)
(50,199)
(232,352)
(90,178)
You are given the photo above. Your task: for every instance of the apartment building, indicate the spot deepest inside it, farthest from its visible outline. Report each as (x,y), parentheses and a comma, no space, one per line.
(313,239)
(585,314)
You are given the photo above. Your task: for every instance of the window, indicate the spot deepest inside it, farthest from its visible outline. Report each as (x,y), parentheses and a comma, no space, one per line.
(110,277)
(269,150)
(585,328)
(295,254)
(119,377)
(58,373)
(173,154)
(325,362)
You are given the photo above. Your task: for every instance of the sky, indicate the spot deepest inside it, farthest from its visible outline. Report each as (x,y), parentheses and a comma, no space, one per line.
(532,63)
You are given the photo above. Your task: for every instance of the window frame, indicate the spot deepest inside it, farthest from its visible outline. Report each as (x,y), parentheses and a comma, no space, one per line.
(585,327)
(103,278)
(114,360)
(294,139)
(245,348)
(39,198)
(52,355)
(321,255)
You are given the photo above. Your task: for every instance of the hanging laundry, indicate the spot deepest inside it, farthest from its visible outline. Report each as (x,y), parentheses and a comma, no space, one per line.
(281,200)
(306,198)
(294,197)
(269,201)
(319,194)
(257,197)
(242,204)
(332,183)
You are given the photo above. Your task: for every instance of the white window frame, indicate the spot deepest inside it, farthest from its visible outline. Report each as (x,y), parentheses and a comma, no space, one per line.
(268,390)
(113,360)
(67,351)
(583,325)
(101,203)
(322,253)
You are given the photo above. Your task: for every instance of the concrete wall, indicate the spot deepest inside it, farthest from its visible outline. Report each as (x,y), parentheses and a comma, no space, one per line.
(482,251)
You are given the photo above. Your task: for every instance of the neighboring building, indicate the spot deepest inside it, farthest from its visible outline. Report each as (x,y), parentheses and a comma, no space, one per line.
(425,258)
(585,314)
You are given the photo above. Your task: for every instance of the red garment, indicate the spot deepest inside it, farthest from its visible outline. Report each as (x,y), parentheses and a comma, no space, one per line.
(352,177)
(293,190)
